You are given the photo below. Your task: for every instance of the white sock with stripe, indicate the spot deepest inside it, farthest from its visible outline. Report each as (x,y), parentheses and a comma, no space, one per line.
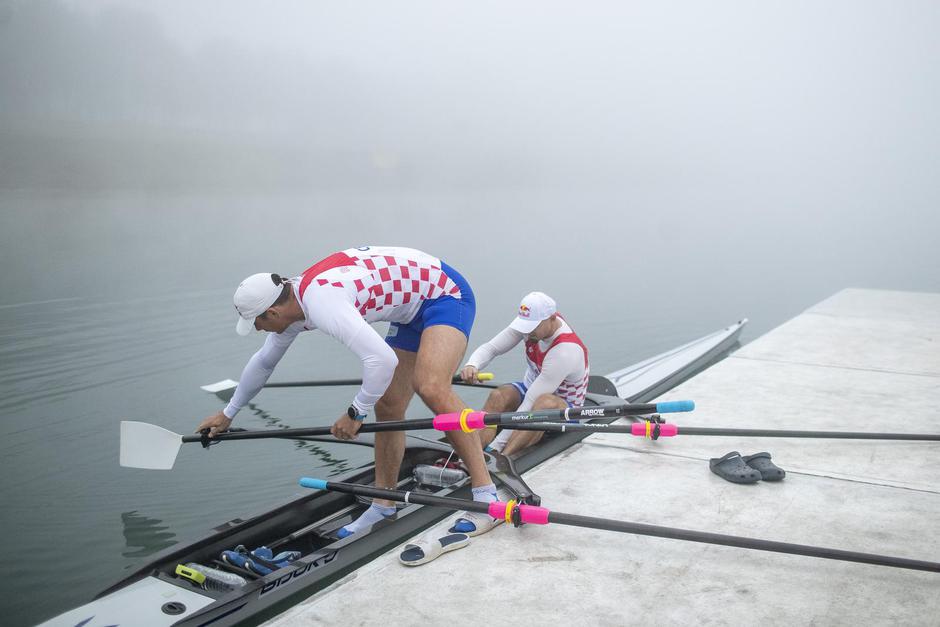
(485,493)
(369,517)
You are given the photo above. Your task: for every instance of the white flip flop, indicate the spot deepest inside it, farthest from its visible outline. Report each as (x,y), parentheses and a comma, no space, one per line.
(425,551)
(481,523)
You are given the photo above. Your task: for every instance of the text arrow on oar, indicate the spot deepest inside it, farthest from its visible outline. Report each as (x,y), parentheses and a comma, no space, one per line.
(655,430)
(155,448)
(517,514)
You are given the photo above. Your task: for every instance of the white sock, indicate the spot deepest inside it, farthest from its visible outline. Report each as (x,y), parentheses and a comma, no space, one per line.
(485,493)
(369,517)
(501,439)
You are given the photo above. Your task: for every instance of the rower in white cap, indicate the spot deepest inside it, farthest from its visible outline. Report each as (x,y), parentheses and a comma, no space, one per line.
(431,309)
(556,373)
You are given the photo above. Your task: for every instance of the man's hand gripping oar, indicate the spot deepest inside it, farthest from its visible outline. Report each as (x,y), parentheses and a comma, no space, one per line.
(214,425)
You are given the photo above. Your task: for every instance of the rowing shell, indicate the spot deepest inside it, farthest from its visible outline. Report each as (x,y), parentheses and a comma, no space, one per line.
(153,596)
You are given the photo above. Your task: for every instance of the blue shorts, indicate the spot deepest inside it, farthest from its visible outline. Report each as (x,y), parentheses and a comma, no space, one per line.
(453,312)
(522,388)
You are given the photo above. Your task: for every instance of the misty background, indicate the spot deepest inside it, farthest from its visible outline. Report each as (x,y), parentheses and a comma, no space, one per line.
(661,169)
(774,105)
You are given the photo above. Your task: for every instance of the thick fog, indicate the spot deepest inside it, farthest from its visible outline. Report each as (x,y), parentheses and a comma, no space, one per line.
(661,168)
(731,98)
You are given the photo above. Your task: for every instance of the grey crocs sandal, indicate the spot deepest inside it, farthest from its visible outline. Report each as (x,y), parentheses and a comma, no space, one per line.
(733,468)
(767,469)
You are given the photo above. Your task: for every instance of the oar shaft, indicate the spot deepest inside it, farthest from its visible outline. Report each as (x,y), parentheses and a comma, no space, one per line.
(541,515)
(667,430)
(469,420)
(369,427)
(313,384)
(483,376)
(788,433)
(421,498)
(743,543)
(641,428)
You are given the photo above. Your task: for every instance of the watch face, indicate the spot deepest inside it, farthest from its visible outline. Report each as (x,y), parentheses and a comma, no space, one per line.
(351,412)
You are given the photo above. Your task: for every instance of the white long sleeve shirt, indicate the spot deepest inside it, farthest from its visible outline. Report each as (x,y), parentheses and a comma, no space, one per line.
(341,295)
(552,366)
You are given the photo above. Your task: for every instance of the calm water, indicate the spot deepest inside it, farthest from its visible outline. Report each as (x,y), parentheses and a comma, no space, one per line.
(118,306)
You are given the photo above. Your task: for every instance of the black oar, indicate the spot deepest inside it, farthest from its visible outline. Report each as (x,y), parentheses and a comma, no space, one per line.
(482,376)
(226,388)
(520,513)
(467,420)
(656,430)
(149,446)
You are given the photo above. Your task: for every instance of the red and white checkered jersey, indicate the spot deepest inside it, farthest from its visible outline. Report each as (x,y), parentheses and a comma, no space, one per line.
(383,283)
(570,357)
(340,295)
(557,365)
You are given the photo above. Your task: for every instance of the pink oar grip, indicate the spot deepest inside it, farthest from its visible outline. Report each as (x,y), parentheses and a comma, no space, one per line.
(451,422)
(528,513)
(447,422)
(498,510)
(475,420)
(534,515)
(665,429)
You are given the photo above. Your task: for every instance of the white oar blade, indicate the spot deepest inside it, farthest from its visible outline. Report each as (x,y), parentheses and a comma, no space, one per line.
(148,446)
(223,389)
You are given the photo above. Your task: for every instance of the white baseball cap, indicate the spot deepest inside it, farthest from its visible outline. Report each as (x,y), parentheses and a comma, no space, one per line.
(253,297)
(533,309)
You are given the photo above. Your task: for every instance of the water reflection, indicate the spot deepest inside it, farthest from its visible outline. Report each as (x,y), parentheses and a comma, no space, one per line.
(144,536)
(335,464)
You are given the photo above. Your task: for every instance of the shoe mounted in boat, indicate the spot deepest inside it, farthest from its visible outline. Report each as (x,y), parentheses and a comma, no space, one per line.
(240,559)
(260,561)
(281,559)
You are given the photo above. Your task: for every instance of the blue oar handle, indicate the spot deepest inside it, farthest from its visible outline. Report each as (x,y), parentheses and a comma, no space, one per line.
(669,407)
(314,484)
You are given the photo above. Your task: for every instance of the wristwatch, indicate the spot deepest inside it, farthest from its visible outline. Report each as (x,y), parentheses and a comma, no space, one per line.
(355,415)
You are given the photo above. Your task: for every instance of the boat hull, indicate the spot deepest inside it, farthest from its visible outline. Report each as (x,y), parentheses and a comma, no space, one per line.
(153,596)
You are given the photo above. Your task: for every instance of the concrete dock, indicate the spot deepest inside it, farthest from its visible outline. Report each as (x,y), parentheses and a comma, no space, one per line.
(862,360)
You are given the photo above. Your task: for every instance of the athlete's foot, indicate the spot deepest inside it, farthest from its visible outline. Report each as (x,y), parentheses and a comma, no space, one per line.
(374,514)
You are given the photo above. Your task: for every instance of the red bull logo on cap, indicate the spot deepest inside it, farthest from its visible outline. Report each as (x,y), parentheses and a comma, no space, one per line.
(523,311)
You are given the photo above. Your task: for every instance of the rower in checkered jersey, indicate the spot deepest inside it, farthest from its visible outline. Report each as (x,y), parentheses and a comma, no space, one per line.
(556,375)
(431,309)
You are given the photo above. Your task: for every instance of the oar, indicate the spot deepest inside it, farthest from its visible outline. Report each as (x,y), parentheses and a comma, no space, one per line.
(656,430)
(225,388)
(148,446)
(518,514)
